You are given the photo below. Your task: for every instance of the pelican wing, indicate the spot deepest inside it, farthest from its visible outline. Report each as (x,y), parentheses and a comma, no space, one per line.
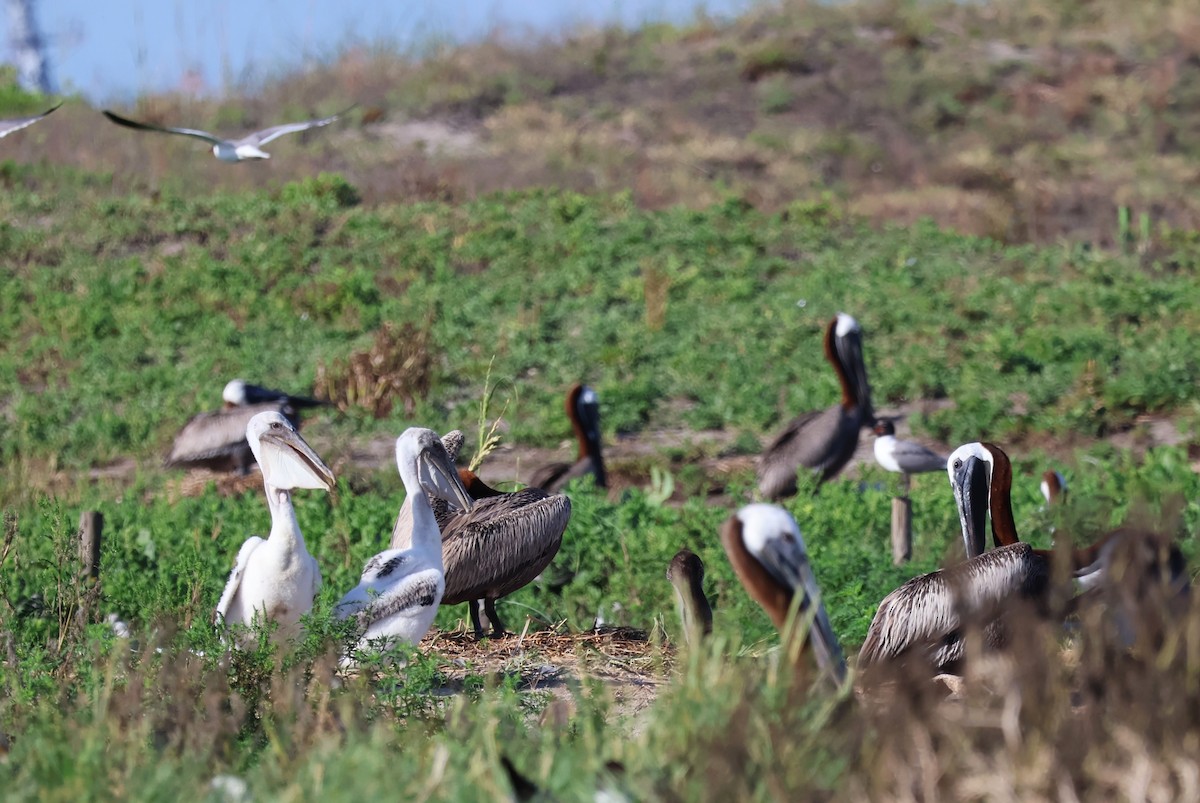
(17,123)
(216,435)
(501,543)
(235,577)
(277,131)
(927,612)
(187,132)
(823,440)
(550,477)
(405,597)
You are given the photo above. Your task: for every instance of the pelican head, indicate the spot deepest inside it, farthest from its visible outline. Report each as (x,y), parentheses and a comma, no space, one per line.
(1054,487)
(847,344)
(587,408)
(686,573)
(970,470)
(423,460)
(845,324)
(772,537)
(234,393)
(286,461)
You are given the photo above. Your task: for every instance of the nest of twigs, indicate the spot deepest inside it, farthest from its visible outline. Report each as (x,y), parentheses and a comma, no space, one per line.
(605,651)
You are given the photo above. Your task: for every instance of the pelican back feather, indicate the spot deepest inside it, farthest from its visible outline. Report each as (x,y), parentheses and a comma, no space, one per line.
(501,544)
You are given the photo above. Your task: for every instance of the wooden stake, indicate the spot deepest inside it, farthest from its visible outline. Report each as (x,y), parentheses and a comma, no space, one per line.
(91,526)
(901,530)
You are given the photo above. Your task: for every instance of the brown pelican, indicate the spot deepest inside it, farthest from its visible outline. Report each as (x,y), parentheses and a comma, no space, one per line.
(231,150)
(925,617)
(399,592)
(767,551)
(823,440)
(686,574)
(583,408)
(903,457)
(1054,487)
(217,440)
(17,123)
(494,545)
(277,579)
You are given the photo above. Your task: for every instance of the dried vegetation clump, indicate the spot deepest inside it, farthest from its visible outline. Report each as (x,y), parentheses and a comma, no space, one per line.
(1112,712)
(398,367)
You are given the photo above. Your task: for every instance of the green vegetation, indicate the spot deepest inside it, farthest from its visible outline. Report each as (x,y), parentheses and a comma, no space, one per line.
(124,316)
(741,171)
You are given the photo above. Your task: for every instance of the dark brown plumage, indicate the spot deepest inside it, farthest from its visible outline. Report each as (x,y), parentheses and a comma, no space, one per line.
(217,440)
(499,546)
(822,440)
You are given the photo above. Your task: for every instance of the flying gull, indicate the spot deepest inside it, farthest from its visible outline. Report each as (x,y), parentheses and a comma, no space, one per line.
(17,123)
(232,150)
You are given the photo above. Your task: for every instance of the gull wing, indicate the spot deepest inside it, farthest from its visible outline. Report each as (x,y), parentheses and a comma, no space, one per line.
(914,458)
(17,123)
(277,131)
(235,577)
(187,132)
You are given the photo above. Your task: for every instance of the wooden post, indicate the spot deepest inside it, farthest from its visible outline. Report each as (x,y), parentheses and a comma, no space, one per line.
(901,530)
(91,526)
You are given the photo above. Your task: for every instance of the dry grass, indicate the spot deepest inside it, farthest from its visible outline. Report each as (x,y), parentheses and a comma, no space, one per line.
(398,367)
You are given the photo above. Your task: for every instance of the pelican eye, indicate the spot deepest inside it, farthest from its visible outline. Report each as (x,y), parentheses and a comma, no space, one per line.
(958,463)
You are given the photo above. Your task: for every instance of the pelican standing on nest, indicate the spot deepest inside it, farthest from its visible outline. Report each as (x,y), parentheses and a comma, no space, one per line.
(398,595)
(231,150)
(217,440)
(686,573)
(583,409)
(823,440)
(764,545)
(494,545)
(276,579)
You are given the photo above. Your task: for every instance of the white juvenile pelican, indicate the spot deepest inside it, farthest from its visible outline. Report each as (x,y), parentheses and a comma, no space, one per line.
(231,150)
(276,578)
(400,590)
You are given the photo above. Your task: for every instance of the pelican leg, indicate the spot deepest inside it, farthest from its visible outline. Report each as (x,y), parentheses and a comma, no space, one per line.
(473,606)
(489,607)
